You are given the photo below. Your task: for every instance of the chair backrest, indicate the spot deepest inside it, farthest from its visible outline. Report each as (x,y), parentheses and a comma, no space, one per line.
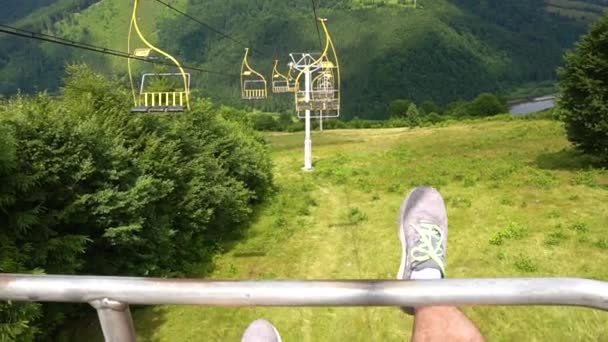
(253,84)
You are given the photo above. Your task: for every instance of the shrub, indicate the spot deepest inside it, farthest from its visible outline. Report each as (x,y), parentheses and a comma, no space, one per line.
(398,108)
(486,104)
(88,187)
(583,92)
(265,122)
(412,116)
(433,118)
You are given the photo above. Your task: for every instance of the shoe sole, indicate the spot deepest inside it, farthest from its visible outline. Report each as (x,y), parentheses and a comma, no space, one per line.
(401,273)
(277,333)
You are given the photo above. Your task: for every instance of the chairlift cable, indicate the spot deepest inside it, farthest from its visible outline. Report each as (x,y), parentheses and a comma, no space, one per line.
(205,25)
(316,18)
(93,48)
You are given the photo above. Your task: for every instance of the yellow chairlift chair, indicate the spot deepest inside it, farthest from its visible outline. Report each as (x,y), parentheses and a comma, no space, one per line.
(156,93)
(253,84)
(280,82)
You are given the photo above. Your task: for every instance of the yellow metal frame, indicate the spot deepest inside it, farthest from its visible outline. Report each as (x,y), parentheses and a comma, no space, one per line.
(143,97)
(327,68)
(248,75)
(278,77)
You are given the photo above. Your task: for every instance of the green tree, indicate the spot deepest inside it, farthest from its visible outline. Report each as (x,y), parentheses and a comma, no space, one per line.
(398,108)
(486,104)
(412,115)
(429,107)
(584,92)
(88,187)
(265,122)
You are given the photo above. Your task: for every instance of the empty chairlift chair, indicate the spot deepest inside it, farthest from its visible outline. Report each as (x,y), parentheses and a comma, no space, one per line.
(253,84)
(162,92)
(281,83)
(158,92)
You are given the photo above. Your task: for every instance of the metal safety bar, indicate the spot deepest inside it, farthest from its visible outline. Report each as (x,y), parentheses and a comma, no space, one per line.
(112,295)
(163,99)
(252,94)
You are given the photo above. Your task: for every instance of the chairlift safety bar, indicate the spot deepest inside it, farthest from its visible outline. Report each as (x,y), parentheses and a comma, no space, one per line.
(111,296)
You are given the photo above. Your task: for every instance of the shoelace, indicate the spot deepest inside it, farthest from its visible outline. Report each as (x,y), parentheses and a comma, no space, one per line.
(426,248)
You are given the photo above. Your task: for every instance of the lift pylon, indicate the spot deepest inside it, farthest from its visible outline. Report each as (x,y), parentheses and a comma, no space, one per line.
(323,99)
(253,84)
(317,88)
(158,92)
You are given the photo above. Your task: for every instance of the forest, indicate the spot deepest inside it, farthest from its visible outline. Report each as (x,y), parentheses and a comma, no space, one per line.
(88,187)
(83,181)
(443,51)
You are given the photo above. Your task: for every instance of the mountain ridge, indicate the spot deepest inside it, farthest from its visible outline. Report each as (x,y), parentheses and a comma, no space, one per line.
(444,51)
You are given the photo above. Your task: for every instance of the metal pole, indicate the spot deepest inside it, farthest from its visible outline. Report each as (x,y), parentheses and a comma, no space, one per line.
(307,138)
(321,122)
(115,320)
(456,292)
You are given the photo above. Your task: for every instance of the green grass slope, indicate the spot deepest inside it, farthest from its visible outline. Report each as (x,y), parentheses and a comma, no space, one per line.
(520,204)
(442,51)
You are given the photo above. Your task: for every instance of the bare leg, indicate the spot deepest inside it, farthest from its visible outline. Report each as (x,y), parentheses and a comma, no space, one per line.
(423,232)
(443,324)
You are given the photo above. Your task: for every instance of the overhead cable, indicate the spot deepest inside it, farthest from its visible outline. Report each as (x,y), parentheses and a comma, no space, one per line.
(207,26)
(93,48)
(316,18)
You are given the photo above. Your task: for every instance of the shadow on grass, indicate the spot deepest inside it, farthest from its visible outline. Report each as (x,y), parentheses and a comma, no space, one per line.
(148,319)
(566,159)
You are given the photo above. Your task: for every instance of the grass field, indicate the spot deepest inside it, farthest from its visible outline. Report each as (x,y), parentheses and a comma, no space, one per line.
(520,204)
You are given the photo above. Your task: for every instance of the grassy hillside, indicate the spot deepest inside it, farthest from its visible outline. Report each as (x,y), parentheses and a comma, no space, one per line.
(39,12)
(520,204)
(443,51)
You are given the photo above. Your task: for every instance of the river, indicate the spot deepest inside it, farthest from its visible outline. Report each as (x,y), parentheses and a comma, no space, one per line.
(532,106)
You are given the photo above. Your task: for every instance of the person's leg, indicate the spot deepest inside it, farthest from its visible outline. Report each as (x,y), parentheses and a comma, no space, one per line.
(443,323)
(261,331)
(423,231)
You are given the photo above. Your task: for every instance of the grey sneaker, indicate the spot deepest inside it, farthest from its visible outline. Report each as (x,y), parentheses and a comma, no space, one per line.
(261,331)
(423,231)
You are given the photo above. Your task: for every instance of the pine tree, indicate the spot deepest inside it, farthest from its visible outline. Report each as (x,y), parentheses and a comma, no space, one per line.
(584,92)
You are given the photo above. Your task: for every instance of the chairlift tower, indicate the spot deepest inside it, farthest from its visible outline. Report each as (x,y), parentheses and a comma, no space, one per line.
(306,64)
(318,96)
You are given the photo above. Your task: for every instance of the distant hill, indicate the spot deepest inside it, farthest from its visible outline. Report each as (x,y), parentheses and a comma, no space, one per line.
(441,51)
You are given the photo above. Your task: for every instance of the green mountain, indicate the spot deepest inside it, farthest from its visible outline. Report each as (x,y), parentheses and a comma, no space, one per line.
(442,51)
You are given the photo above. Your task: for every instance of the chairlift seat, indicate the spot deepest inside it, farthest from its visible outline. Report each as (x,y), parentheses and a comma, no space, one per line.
(158,109)
(281,86)
(253,84)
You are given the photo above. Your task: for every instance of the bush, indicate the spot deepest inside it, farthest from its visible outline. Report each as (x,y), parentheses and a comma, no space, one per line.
(486,104)
(265,122)
(413,116)
(88,187)
(398,108)
(584,92)
(433,118)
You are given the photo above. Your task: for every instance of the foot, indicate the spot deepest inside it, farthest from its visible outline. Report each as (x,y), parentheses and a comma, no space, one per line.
(261,331)
(423,232)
